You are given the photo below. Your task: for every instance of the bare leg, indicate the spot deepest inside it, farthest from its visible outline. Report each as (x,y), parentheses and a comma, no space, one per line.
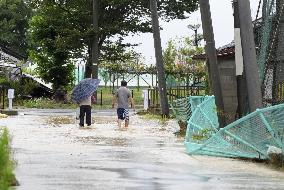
(126,123)
(119,121)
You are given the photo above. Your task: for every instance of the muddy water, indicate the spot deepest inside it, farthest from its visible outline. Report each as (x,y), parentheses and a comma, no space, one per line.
(54,154)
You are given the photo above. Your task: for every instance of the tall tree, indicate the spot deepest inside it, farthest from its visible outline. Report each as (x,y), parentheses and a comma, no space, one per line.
(72,22)
(212,58)
(178,61)
(159,60)
(95,43)
(14,15)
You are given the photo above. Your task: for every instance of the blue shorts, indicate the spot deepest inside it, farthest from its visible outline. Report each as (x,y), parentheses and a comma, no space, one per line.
(123,114)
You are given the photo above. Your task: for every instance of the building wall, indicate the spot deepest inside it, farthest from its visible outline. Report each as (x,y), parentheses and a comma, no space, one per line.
(227,69)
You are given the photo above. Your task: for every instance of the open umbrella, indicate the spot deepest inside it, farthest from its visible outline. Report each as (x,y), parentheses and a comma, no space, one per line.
(84,89)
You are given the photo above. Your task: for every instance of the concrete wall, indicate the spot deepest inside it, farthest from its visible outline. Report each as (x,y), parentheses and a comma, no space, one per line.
(227,69)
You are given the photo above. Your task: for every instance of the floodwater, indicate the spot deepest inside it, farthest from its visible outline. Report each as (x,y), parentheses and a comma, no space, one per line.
(52,153)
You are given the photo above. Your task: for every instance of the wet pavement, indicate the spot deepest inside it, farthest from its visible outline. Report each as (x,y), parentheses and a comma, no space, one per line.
(52,153)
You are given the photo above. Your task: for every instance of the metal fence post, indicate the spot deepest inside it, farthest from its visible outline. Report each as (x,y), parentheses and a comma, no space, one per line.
(101,98)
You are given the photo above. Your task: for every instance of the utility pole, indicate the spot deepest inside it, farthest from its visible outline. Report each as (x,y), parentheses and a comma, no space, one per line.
(240,75)
(195,29)
(159,59)
(212,58)
(249,55)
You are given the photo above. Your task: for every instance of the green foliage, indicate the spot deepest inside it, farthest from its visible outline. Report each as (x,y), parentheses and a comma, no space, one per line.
(104,74)
(178,58)
(27,86)
(66,27)
(29,71)
(179,65)
(56,70)
(7,177)
(51,57)
(202,135)
(14,17)
(169,55)
(150,116)
(11,84)
(132,65)
(43,103)
(22,87)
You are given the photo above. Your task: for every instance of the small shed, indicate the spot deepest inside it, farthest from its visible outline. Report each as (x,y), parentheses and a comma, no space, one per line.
(11,68)
(227,70)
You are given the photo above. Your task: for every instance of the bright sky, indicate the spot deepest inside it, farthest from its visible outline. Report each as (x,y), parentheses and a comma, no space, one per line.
(223,24)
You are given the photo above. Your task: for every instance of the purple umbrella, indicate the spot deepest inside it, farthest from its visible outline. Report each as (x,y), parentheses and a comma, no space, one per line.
(84,89)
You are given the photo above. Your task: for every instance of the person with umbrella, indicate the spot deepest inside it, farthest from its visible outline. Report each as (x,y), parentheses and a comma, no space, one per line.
(82,95)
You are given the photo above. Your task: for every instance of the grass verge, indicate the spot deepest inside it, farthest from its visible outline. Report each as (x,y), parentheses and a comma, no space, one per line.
(7,177)
(150,116)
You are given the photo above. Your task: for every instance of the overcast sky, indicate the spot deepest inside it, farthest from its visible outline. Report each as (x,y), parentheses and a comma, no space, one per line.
(223,24)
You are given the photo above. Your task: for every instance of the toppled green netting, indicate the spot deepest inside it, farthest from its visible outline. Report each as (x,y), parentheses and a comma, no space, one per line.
(248,137)
(182,108)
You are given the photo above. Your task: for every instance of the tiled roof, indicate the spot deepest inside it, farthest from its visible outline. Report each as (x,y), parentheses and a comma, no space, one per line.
(225,51)
(11,52)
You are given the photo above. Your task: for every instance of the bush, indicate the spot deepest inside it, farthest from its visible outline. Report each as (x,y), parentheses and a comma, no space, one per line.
(7,177)
(22,87)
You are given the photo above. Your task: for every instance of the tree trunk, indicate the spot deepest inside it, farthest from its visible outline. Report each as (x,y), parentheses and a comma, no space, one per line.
(159,59)
(95,42)
(88,71)
(212,58)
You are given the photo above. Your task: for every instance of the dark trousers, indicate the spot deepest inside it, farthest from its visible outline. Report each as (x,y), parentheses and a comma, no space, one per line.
(85,110)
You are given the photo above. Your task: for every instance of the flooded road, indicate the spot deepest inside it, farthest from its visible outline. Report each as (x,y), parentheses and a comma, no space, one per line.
(52,153)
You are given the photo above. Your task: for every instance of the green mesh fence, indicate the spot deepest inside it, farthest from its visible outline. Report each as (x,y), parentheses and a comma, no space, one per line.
(248,137)
(269,33)
(182,108)
(269,10)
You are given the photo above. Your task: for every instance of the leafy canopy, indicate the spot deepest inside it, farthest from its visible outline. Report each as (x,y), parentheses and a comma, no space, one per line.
(66,26)
(14,15)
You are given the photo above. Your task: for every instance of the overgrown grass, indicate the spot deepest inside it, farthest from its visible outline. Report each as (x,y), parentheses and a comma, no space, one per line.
(106,101)
(150,116)
(7,177)
(44,103)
